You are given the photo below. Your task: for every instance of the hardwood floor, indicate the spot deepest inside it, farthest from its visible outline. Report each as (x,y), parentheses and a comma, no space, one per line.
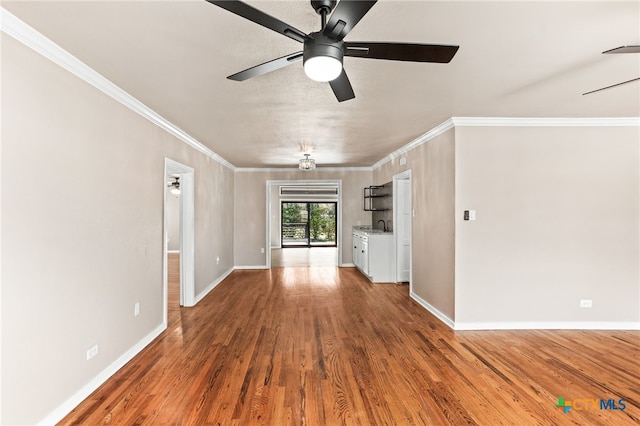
(303,256)
(323,346)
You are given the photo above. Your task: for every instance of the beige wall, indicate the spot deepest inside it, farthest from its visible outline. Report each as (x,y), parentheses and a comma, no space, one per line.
(557,221)
(82,220)
(250,204)
(432,192)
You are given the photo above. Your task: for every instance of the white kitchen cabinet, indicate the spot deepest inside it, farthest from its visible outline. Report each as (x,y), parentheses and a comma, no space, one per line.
(374,255)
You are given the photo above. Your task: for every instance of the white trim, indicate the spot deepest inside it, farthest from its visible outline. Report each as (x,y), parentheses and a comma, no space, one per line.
(173,251)
(509,122)
(405,175)
(187,238)
(347,265)
(425,137)
(211,286)
(187,235)
(545,121)
(16,28)
(442,317)
(291,169)
(249,267)
(564,325)
(67,406)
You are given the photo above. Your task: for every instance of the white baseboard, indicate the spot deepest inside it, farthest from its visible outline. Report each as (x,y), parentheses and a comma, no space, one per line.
(347,265)
(59,413)
(442,317)
(173,251)
(563,325)
(250,267)
(211,286)
(524,325)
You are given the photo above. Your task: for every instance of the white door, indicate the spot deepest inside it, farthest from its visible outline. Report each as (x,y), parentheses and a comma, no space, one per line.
(403,226)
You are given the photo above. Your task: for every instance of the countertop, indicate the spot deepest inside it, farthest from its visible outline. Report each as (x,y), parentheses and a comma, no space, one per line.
(368,230)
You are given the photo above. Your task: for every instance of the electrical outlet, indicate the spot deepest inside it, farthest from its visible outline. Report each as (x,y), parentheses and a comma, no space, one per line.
(262,250)
(586,303)
(136,309)
(218,260)
(92,351)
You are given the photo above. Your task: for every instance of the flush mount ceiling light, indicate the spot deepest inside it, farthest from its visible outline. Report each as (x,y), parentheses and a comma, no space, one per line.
(307,163)
(175,186)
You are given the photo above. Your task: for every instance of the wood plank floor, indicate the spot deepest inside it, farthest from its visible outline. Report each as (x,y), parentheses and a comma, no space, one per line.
(323,346)
(303,256)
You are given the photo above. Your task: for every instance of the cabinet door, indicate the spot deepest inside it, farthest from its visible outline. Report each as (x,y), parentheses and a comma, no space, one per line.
(356,250)
(364,253)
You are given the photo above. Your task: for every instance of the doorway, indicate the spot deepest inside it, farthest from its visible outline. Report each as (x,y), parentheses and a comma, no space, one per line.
(275,194)
(185,175)
(308,224)
(402,217)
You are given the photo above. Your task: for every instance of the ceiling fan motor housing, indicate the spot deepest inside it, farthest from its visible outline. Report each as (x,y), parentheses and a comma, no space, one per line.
(320,45)
(325,6)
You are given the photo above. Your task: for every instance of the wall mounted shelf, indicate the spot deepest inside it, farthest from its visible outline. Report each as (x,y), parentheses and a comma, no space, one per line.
(369,195)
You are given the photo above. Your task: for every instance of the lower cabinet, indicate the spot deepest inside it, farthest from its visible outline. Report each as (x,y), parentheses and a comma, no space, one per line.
(373,254)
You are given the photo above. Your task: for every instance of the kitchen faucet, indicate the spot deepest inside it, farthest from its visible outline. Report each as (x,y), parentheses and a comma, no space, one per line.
(384,225)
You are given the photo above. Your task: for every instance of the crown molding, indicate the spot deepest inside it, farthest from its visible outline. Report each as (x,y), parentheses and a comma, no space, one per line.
(25,34)
(510,122)
(424,138)
(546,121)
(22,32)
(295,169)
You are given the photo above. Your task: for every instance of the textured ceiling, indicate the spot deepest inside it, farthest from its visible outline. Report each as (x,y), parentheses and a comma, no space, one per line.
(516,59)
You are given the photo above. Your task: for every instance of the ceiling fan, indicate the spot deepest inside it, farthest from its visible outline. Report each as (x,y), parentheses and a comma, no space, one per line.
(621,49)
(323,51)
(175,185)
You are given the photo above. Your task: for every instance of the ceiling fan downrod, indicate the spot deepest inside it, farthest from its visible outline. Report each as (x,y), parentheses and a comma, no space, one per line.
(323,8)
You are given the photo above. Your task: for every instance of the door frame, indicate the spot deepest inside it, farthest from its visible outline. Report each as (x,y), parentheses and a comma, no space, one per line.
(271,183)
(187,251)
(406,175)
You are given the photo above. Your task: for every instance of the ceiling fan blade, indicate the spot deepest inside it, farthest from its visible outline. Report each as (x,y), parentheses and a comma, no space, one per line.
(266,67)
(341,87)
(613,85)
(261,18)
(345,16)
(413,52)
(624,49)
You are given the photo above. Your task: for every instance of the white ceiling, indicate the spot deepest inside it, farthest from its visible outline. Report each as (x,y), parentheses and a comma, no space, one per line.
(516,59)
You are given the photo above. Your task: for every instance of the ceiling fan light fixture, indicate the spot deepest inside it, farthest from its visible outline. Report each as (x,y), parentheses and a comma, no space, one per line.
(322,58)
(175,186)
(307,164)
(322,68)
